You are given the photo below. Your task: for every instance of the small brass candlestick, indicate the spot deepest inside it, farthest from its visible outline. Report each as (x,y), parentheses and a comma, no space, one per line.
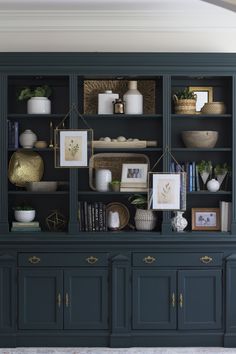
(51,135)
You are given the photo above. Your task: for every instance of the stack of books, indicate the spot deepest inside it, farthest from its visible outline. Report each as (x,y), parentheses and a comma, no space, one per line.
(32,226)
(92,216)
(13,134)
(225,216)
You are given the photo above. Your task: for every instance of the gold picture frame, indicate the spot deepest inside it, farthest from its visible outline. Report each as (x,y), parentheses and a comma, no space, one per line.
(205,219)
(204,95)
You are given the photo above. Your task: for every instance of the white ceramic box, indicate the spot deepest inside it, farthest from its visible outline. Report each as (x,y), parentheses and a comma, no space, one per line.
(105,102)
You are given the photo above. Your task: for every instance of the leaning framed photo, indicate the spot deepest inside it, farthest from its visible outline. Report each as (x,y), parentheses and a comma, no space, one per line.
(206,219)
(73,147)
(134,177)
(167,191)
(204,94)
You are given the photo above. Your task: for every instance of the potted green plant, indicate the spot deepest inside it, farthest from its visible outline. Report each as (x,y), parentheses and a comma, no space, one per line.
(37,99)
(204,169)
(145,219)
(24,213)
(115,185)
(220,171)
(185,101)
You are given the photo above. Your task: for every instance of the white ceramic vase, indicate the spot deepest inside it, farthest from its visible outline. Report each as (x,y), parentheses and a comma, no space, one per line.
(24,215)
(113,221)
(178,222)
(103,178)
(213,185)
(38,105)
(220,178)
(27,139)
(145,220)
(133,99)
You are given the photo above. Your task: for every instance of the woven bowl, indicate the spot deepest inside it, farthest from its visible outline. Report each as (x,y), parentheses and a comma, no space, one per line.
(213,108)
(123,212)
(199,139)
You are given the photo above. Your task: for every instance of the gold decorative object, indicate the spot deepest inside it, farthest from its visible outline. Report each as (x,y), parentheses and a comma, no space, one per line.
(51,134)
(40,144)
(93,87)
(25,166)
(56,221)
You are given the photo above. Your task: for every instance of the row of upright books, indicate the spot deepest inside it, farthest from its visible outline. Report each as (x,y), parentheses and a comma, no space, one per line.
(31,226)
(13,134)
(225,216)
(92,216)
(191,169)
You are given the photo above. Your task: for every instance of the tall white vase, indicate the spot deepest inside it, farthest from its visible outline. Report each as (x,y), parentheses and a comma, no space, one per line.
(133,99)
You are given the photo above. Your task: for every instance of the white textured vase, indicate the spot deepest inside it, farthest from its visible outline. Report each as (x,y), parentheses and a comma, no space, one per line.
(103,178)
(39,105)
(178,222)
(133,99)
(145,220)
(27,139)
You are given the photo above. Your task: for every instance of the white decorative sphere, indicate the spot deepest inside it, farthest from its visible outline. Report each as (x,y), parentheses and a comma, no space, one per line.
(213,185)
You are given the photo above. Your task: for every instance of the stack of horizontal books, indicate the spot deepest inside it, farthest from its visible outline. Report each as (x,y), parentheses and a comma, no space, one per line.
(32,226)
(225,215)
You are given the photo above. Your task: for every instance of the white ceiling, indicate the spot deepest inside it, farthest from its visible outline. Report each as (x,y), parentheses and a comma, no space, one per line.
(117,25)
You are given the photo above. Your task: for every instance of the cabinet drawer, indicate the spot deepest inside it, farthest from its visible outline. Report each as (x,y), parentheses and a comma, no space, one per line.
(177,259)
(63,259)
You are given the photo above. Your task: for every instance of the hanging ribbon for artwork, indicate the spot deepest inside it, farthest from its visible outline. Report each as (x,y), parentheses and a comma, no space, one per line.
(167,190)
(72,147)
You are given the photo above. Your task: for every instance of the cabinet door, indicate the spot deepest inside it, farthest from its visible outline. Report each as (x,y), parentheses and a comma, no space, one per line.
(200,299)
(154,299)
(86,299)
(40,299)
(7,291)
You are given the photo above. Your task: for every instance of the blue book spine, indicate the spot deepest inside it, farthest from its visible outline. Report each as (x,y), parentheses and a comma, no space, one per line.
(190,177)
(194,175)
(16,135)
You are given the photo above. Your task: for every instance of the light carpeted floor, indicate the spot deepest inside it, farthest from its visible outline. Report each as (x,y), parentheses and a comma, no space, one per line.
(119,351)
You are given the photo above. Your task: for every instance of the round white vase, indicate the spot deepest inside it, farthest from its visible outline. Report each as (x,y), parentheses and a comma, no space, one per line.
(178,222)
(213,185)
(133,99)
(38,105)
(103,178)
(27,139)
(145,219)
(24,215)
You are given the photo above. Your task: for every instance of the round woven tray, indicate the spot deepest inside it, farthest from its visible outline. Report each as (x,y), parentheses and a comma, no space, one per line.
(123,211)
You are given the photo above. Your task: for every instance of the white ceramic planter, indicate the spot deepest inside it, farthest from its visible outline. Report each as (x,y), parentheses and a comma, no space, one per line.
(145,220)
(27,139)
(24,215)
(39,105)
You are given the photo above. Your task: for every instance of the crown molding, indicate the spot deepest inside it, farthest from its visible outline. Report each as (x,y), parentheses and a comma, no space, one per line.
(121,21)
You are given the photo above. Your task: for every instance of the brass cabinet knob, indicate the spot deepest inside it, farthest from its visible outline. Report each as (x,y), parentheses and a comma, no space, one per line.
(34,260)
(91,260)
(206,259)
(149,259)
(59,300)
(173,300)
(67,300)
(181,300)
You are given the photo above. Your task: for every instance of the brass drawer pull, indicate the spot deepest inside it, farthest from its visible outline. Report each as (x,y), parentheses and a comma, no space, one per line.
(67,300)
(181,300)
(206,259)
(173,300)
(149,259)
(92,260)
(59,300)
(34,260)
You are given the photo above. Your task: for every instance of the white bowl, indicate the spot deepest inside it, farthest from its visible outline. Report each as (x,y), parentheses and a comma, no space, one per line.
(24,215)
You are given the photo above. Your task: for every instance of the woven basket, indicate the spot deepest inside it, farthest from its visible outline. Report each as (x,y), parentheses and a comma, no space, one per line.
(145,220)
(113,162)
(184,106)
(213,108)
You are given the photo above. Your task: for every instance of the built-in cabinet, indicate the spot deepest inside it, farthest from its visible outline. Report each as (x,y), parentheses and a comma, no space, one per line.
(117,288)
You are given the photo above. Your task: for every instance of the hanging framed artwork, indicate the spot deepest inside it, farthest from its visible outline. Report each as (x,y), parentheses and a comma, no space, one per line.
(73,147)
(167,191)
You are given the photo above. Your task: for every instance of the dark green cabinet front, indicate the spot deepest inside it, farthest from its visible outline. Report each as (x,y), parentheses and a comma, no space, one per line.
(200,299)
(154,299)
(57,299)
(86,299)
(40,299)
(172,299)
(7,295)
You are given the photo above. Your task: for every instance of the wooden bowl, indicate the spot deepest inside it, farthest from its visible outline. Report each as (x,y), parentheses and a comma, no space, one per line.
(199,138)
(43,186)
